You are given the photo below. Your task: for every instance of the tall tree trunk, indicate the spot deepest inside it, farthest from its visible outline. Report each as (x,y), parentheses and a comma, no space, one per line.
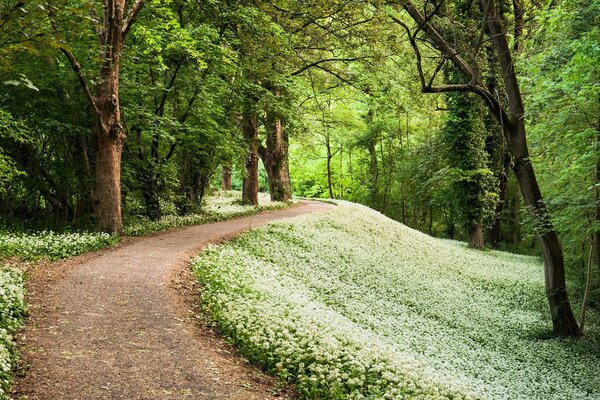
(250,184)
(563,320)
(110,137)
(227,181)
(493,233)
(596,240)
(511,118)
(329,173)
(108,130)
(476,236)
(275,159)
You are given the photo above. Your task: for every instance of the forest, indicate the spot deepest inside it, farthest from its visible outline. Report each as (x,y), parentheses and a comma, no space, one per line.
(470,121)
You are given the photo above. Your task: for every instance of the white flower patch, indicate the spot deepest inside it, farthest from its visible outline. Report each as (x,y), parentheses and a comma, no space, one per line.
(12,312)
(349,304)
(51,244)
(219,207)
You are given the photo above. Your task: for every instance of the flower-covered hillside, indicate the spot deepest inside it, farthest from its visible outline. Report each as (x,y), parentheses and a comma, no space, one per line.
(350,304)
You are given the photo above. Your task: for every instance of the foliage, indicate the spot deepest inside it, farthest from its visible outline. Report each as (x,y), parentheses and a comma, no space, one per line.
(473,184)
(563,84)
(12,312)
(350,304)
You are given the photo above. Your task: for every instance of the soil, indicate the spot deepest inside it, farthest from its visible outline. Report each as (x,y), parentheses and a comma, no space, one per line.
(124,323)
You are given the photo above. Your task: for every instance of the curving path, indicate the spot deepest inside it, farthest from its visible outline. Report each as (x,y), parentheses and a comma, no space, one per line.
(121,324)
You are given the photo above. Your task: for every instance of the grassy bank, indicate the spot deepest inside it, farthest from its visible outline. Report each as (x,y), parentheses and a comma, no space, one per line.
(350,304)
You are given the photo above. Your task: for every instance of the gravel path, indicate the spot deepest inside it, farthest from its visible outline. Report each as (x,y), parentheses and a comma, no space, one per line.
(123,323)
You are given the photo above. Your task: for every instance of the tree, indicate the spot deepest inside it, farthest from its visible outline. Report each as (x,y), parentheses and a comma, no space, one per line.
(563,85)
(111,30)
(473,194)
(274,153)
(511,117)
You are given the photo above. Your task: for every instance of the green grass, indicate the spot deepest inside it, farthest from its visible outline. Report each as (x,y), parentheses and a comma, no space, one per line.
(352,305)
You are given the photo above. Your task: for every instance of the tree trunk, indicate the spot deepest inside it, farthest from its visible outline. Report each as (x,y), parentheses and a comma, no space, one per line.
(563,320)
(110,137)
(476,237)
(493,234)
(149,189)
(596,240)
(250,184)
(329,179)
(275,159)
(108,130)
(227,181)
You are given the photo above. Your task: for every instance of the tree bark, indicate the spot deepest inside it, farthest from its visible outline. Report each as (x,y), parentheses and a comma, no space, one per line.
(596,239)
(108,131)
(493,234)
(563,320)
(250,184)
(110,136)
(227,181)
(275,158)
(329,172)
(476,237)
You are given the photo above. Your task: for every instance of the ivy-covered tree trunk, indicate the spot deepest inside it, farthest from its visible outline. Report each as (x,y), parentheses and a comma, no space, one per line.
(596,239)
(464,138)
(250,183)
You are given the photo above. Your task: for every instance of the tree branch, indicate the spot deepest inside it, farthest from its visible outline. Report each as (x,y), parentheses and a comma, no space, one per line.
(77,69)
(316,63)
(131,16)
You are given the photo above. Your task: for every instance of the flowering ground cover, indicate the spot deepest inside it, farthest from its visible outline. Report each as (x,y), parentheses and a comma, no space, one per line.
(29,246)
(219,207)
(12,312)
(53,245)
(349,304)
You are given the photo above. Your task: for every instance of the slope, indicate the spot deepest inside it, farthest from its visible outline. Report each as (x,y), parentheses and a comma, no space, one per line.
(350,304)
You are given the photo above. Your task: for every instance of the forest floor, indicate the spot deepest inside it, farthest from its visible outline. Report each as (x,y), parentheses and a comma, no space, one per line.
(124,323)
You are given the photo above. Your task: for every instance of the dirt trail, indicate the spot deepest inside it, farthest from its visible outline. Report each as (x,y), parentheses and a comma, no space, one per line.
(121,324)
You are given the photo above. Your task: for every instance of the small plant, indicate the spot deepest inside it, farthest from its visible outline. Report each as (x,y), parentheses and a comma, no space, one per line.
(223,206)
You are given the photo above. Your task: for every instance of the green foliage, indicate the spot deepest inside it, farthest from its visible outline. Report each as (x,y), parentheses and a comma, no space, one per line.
(11,133)
(473,185)
(562,80)
(349,304)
